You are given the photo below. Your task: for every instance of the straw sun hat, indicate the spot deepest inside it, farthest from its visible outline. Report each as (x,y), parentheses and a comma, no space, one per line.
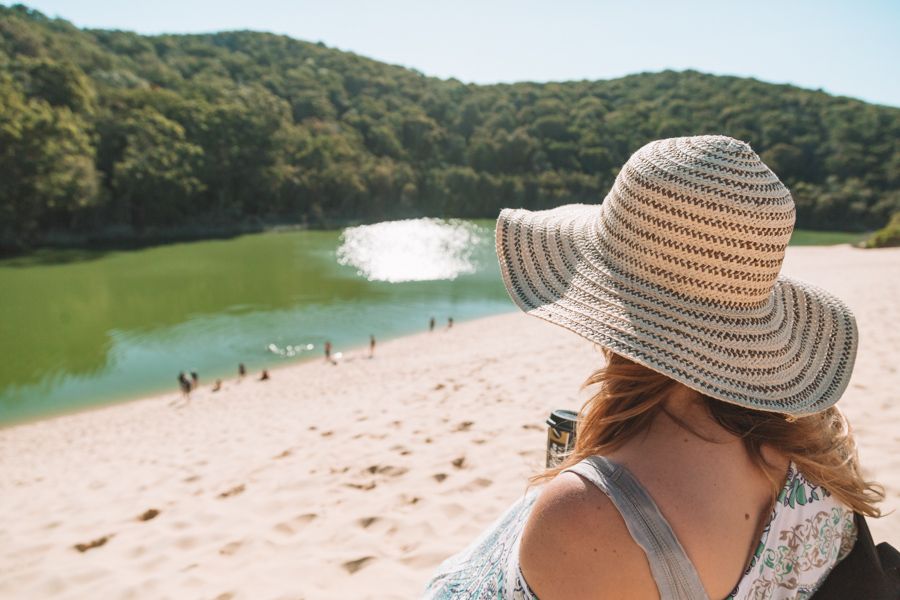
(678,269)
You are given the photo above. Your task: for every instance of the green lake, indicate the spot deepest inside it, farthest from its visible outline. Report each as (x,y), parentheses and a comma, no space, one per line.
(82,327)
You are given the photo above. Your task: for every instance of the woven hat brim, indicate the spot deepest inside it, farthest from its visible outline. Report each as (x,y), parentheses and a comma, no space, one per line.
(792,354)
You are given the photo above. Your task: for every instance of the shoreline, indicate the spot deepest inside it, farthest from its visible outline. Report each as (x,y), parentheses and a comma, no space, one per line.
(125,240)
(168,390)
(328,481)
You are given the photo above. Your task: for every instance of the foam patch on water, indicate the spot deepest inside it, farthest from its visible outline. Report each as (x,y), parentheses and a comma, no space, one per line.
(290,350)
(411,250)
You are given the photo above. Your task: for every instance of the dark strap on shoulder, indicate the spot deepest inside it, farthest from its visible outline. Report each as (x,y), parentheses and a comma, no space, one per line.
(675,575)
(869,571)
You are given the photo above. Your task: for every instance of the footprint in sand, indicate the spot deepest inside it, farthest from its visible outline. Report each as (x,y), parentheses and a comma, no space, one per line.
(439,477)
(238,489)
(292,526)
(459,462)
(464,426)
(284,454)
(476,484)
(352,566)
(365,522)
(93,543)
(150,513)
(401,449)
(532,426)
(389,470)
(361,486)
(230,548)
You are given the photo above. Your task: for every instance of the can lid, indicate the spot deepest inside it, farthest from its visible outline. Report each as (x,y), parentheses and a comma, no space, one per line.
(563,419)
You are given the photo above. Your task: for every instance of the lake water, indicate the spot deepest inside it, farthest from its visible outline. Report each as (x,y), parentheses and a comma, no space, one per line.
(81,328)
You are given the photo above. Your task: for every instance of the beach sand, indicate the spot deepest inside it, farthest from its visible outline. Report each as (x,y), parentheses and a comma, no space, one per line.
(356,480)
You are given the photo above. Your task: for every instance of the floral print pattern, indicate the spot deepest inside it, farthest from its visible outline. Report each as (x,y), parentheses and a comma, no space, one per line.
(808,533)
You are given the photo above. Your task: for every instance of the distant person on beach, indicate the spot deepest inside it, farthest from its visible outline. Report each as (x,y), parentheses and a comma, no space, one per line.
(371,346)
(195,380)
(328,352)
(185,385)
(431,324)
(217,386)
(264,376)
(449,322)
(710,460)
(242,370)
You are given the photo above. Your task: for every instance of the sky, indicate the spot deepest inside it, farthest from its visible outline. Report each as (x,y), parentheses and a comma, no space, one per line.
(849,48)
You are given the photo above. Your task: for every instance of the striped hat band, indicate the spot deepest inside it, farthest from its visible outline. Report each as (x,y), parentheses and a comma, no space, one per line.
(678,270)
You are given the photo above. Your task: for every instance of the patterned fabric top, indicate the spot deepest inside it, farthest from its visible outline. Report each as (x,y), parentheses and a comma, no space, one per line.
(808,533)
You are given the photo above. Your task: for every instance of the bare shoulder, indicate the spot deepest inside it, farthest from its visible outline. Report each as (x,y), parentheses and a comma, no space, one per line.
(576,545)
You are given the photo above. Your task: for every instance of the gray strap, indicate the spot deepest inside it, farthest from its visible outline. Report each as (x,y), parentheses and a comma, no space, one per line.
(672,570)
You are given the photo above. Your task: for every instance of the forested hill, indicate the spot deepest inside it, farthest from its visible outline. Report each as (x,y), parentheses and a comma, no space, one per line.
(114,132)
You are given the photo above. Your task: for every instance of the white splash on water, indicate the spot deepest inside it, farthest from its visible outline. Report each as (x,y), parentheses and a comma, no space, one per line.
(411,250)
(289,351)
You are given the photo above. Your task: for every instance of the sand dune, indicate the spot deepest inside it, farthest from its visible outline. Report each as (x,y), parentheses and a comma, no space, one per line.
(353,480)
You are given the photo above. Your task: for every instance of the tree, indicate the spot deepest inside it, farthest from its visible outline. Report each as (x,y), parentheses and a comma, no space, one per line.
(154,179)
(47,170)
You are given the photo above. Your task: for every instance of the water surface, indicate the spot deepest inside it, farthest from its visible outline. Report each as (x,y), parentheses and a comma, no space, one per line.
(82,328)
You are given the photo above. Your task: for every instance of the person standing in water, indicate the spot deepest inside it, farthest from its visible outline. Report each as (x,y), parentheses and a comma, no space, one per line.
(242,370)
(185,386)
(328,351)
(449,322)
(371,346)
(431,324)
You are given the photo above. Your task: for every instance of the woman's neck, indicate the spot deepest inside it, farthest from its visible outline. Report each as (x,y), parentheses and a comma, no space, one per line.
(683,434)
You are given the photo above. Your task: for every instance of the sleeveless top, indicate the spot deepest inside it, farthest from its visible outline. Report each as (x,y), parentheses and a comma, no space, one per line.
(807,534)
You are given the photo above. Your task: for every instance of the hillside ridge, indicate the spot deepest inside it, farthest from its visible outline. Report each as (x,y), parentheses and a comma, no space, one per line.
(113,134)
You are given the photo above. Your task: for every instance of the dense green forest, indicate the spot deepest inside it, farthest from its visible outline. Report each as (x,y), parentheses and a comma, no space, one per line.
(110,133)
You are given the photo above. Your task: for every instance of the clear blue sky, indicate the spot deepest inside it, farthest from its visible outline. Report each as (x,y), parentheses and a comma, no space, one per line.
(850,48)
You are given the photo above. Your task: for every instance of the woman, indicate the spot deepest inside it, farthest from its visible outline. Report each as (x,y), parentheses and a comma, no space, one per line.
(710,462)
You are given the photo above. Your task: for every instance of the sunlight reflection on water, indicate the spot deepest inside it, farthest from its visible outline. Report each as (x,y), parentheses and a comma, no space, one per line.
(411,250)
